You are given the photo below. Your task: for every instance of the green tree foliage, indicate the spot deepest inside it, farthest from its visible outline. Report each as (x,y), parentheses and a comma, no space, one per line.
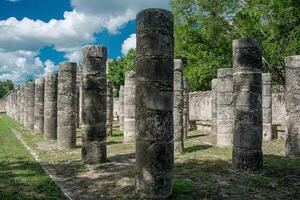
(5,87)
(204,30)
(117,68)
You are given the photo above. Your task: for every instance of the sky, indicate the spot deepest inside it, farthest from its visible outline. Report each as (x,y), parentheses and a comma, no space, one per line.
(36,35)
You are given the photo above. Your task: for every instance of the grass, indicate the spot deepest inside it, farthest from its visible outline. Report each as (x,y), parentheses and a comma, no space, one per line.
(21,177)
(204,171)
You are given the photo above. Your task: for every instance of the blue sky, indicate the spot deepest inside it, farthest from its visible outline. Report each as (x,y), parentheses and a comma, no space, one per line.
(38,34)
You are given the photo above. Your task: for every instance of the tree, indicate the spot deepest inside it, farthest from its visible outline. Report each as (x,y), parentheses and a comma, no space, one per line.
(204,30)
(117,68)
(5,87)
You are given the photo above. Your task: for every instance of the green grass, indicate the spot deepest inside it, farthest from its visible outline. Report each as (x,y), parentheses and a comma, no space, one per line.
(20,176)
(204,171)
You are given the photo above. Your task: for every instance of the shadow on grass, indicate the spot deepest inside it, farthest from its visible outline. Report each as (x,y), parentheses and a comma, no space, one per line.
(198,135)
(196,148)
(24,179)
(113,142)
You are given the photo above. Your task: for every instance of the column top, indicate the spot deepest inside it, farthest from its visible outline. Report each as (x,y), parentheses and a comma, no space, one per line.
(245,43)
(292,61)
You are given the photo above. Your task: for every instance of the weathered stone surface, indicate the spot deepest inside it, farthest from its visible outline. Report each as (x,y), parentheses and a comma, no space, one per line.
(30,106)
(224,107)
(50,106)
(66,105)
(109,108)
(154,104)
(267,106)
(214,111)
(247,80)
(22,105)
(18,105)
(39,106)
(121,107)
(185,108)
(79,94)
(178,107)
(129,108)
(292,101)
(94,105)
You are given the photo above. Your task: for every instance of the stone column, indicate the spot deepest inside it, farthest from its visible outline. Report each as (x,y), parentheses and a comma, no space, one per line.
(178,107)
(121,107)
(292,99)
(267,106)
(247,80)
(94,105)
(25,117)
(224,107)
(50,106)
(154,104)
(18,103)
(214,94)
(79,93)
(21,105)
(109,108)
(186,124)
(129,107)
(66,105)
(39,106)
(30,105)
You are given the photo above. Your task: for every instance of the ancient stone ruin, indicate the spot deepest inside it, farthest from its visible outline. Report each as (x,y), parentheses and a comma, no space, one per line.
(94,104)
(154,104)
(66,105)
(247,109)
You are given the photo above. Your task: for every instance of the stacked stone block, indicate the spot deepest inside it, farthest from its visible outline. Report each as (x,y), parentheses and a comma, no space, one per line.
(267,106)
(178,107)
(121,107)
(39,106)
(214,111)
(185,108)
(129,107)
(66,105)
(94,105)
(247,139)
(110,108)
(292,101)
(50,106)
(154,104)
(30,105)
(224,107)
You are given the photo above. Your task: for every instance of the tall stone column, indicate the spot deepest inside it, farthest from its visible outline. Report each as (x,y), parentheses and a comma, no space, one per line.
(39,106)
(18,103)
(214,94)
(79,93)
(224,107)
(267,106)
(178,107)
(129,107)
(247,82)
(121,107)
(154,104)
(21,105)
(30,105)
(25,114)
(94,105)
(50,106)
(292,99)
(110,108)
(66,105)
(185,108)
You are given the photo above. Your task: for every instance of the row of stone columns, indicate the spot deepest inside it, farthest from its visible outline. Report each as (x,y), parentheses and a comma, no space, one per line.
(239,104)
(222,107)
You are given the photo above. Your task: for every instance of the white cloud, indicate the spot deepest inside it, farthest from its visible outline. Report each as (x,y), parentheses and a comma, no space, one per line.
(13,1)
(129,43)
(21,40)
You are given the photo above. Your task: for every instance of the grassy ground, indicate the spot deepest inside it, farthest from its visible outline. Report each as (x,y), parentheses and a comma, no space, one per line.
(20,176)
(204,171)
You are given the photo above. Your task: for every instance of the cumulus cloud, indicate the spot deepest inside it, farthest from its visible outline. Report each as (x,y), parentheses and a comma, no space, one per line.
(129,43)
(21,40)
